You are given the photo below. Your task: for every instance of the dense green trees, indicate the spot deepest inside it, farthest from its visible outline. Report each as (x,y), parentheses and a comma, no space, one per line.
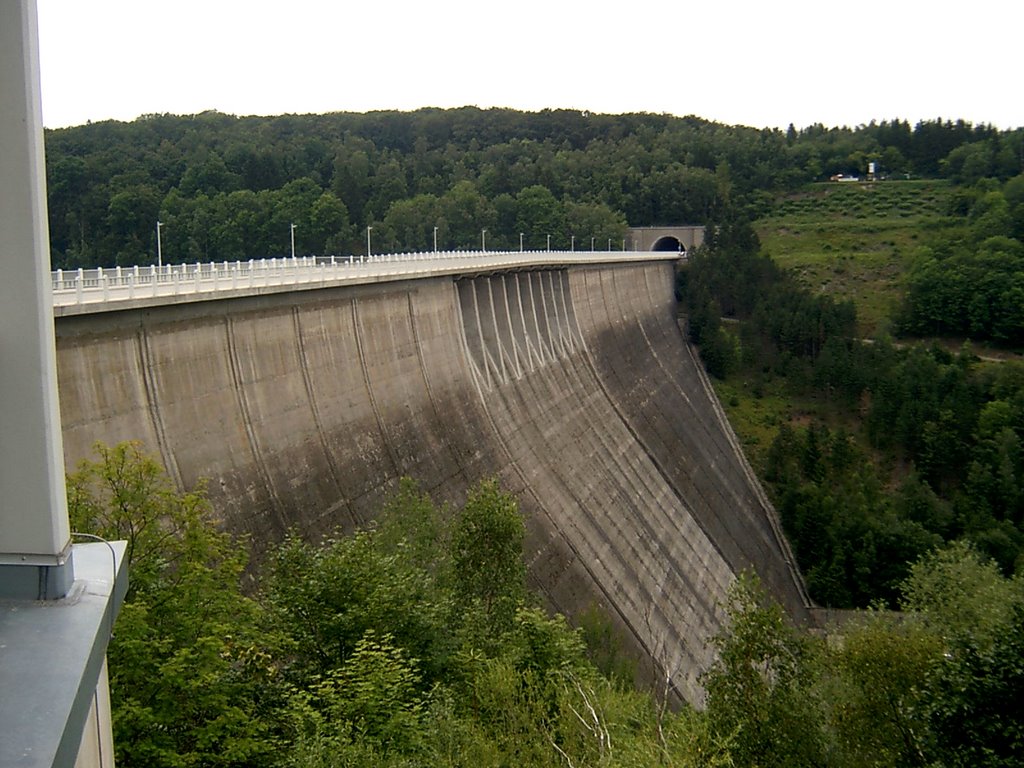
(730,278)
(226,186)
(414,643)
(759,691)
(953,429)
(930,686)
(929,443)
(190,667)
(974,286)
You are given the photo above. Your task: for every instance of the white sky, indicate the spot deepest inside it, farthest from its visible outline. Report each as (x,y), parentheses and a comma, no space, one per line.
(750,62)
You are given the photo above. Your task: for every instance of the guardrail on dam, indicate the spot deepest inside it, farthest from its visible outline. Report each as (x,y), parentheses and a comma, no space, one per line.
(569,382)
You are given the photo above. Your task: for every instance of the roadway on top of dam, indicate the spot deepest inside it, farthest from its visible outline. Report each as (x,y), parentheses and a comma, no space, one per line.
(86,291)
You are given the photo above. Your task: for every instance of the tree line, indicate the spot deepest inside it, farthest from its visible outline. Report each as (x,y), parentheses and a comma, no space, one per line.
(231,188)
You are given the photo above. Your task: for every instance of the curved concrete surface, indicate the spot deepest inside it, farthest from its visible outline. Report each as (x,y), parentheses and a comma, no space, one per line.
(573,386)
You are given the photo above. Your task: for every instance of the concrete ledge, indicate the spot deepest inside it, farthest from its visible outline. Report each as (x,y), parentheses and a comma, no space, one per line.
(51,654)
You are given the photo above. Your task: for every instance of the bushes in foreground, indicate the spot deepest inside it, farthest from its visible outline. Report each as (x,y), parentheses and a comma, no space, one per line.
(416,643)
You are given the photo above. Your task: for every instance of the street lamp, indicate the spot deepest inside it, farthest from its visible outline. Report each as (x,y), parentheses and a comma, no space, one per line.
(592,244)
(609,245)
(549,242)
(520,242)
(483,239)
(435,239)
(368,242)
(159,252)
(293,240)
(572,243)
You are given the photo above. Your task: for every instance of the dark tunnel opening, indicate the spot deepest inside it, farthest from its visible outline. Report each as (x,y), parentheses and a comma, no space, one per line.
(668,243)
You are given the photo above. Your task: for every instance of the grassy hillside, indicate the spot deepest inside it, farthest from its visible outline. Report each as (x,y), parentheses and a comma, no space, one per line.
(853,240)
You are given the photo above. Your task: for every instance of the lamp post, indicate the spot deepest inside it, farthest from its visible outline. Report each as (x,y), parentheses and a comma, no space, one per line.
(520,242)
(609,245)
(368,242)
(572,243)
(435,239)
(293,240)
(159,251)
(549,242)
(483,239)
(592,244)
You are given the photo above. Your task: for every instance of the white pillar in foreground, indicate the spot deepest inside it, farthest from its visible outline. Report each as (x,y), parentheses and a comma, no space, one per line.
(34,534)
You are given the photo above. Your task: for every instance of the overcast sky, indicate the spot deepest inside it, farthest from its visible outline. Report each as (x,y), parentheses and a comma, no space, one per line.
(747,62)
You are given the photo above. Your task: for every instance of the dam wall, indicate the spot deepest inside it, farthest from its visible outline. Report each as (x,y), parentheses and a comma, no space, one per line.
(573,386)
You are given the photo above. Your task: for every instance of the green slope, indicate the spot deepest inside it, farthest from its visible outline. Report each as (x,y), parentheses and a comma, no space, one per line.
(853,239)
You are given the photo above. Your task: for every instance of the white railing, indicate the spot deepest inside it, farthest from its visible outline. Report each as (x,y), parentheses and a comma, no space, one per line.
(119,284)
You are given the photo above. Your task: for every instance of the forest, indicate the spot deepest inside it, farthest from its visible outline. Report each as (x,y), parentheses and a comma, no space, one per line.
(876,383)
(227,188)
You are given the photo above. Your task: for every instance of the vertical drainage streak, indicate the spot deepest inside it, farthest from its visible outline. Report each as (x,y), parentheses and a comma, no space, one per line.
(243,407)
(567,313)
(311,396)
(542,351)
(545,311)
(495,334)
(146,365)
(357,324)
(485,362)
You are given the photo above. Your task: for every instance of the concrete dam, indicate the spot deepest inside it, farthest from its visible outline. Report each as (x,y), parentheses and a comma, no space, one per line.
(570,383)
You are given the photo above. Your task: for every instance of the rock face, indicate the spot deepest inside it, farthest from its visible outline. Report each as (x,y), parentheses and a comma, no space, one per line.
(573,386)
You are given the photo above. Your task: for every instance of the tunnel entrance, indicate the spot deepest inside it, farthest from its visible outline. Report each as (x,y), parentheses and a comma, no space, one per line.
(668,243)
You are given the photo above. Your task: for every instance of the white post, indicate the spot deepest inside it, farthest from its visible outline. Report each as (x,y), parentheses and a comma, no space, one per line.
(159,253)
(435,239)
(293,240)
(368,242)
